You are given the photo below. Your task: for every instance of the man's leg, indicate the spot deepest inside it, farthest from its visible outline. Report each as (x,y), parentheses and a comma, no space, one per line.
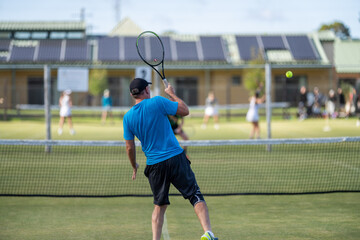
(202,212)
(158,220)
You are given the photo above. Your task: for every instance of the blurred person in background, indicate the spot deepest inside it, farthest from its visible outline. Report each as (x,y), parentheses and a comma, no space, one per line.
(341,101)
(177,123)
(65,104)
(318,102)
(357,108)
(329,109)
(106,102)
(211,110)
(330,105)
(303,104)
(350,102)
(252,115)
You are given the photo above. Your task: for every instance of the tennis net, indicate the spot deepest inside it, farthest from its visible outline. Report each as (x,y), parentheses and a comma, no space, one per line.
(102,169)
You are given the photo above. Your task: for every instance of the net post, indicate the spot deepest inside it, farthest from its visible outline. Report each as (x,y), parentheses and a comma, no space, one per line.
(47,104)
(268,101)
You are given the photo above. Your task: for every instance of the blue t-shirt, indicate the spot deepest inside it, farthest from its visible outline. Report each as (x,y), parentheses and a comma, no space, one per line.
(148,121)
(106,101)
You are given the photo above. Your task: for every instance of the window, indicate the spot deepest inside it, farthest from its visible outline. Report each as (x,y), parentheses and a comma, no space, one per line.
(5,35)
(350,81)
(186,89)
(58,35)
(39,35)
(287,90)
(22,35)
(75,35)
(236,80)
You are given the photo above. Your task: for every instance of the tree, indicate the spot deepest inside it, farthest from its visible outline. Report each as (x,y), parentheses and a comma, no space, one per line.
(347,90)
(339,29)
(254,78)
(97,83)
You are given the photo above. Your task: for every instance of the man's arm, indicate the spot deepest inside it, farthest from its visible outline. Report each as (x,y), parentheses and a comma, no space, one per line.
(183,109)
(130,150)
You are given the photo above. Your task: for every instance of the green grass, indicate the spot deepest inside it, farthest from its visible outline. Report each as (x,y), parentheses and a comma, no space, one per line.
(325,216)
(316,216)
(236,128)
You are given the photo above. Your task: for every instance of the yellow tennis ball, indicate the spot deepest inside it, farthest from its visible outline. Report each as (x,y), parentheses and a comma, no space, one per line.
(289,74)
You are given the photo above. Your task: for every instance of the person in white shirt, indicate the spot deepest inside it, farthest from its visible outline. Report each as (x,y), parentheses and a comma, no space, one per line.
(65,104)
(252,115)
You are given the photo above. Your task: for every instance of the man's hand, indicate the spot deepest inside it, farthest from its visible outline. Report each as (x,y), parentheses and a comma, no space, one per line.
(178,130)
(183,109)
(169,90)
(135,171)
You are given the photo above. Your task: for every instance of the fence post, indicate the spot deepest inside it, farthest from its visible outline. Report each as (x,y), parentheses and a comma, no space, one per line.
(268,101)
(47,105)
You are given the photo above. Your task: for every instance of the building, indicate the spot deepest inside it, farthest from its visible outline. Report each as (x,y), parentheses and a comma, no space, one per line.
(195,64)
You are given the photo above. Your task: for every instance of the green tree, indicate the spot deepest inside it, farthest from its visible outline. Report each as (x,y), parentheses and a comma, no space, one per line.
(254,77)
(347,89)
(97,83)
(339,29)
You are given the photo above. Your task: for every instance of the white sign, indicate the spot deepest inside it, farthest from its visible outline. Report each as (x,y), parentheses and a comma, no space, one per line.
(75,79)
(144,73)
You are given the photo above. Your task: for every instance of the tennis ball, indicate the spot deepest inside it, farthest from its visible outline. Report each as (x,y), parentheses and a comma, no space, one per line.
(289,74)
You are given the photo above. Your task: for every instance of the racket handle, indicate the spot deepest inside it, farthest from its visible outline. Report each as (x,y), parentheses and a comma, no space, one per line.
(165,82)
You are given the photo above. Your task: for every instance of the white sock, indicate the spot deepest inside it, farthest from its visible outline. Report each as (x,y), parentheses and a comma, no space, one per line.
(211,233)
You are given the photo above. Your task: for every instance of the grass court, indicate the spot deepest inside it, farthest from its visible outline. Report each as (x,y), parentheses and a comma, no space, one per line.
(313,216)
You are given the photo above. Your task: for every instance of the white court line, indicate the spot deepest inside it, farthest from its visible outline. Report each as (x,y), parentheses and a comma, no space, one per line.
(165,231)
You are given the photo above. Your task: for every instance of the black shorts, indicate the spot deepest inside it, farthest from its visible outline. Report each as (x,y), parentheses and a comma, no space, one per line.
(175,170)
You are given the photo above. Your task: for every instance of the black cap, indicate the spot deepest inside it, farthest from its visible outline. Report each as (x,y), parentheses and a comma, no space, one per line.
(138,85)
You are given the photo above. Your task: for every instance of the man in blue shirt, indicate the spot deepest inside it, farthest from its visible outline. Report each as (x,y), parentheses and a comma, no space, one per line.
(166,161)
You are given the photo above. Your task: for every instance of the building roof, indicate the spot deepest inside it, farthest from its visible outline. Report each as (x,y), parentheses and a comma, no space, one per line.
(347,56)
(205,49)
(126,27)
(118,48)
(43,26)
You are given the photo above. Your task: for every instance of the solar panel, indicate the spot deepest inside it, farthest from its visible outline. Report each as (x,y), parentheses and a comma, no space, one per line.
(130,49)
(4,45)
(49,50)
(76,50)
(248,47)
(213,49)
(186,51)
(109,49)
(301,48)
(21,54)
(168,53)
(273,42)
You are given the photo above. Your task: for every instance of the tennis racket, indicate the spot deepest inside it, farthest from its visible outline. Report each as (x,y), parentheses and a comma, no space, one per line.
(151,50)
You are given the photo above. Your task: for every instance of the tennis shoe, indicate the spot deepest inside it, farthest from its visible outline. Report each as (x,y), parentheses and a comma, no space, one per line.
(207,236)
(60,131)
(72,131)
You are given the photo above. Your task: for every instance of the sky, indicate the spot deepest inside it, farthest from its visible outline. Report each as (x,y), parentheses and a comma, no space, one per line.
(192,16)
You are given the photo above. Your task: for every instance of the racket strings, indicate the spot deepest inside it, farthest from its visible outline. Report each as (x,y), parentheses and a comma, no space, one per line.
(151,49)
